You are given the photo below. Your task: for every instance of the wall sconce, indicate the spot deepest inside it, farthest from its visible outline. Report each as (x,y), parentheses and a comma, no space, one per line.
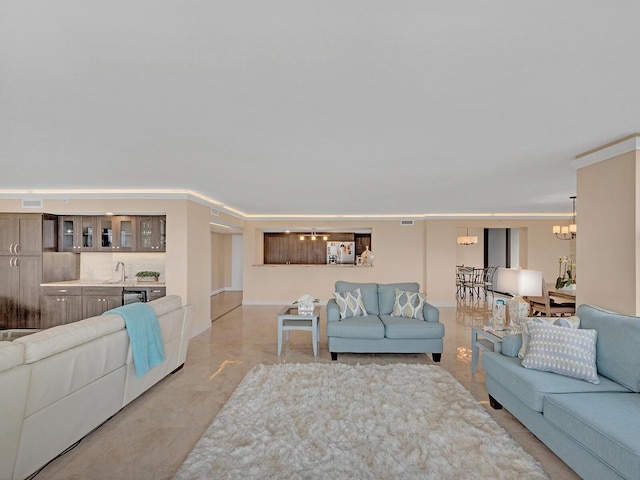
(567,232)
(467,240)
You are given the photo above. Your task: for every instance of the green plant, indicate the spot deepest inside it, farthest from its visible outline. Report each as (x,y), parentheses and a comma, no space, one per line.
(147,273)
(566,272)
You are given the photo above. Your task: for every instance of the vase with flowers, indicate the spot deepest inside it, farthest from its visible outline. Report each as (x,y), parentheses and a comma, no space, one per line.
(566,273)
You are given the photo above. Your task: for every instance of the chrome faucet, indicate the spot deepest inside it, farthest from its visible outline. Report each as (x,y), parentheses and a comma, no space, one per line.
(123,270)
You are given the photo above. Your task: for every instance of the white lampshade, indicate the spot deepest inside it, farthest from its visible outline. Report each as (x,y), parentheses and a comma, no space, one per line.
(519,282)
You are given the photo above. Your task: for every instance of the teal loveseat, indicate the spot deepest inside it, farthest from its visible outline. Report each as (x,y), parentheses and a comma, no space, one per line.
(593,428)
(379,331)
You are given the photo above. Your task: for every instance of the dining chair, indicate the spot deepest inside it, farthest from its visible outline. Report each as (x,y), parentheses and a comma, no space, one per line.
(546,306)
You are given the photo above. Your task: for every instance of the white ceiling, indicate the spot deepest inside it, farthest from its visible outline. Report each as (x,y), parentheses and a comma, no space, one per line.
(317,107)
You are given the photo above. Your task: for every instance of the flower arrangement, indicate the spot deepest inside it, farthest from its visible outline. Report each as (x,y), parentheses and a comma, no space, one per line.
(566,272)
(147,276)
(306,304)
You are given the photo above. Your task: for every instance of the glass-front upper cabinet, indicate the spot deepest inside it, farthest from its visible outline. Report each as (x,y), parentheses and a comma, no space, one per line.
(152,234)
(117,233)
(76,234)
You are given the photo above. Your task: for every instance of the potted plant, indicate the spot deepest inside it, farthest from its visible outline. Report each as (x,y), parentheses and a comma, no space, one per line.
(566,273)
(147,276)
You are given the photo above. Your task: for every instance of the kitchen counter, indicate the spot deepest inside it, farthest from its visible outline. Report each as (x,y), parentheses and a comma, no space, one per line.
(102,283)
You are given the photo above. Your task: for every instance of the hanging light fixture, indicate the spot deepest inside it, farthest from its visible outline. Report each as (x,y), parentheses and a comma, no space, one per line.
(467,240)
(567,232)
(314,235)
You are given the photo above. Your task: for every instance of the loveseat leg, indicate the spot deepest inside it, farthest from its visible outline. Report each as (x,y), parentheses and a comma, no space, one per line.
(494,403)
(436,357)
(334,356)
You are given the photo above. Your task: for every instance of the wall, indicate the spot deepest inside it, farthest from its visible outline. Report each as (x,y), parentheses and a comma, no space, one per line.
(398,251)
(188,255)
(220,262)
(426,253)
(608,234)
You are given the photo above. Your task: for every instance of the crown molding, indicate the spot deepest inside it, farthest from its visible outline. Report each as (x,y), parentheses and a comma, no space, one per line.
(605,152)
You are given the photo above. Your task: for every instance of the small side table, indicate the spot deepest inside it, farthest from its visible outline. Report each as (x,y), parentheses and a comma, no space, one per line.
(483,340)
(289,319)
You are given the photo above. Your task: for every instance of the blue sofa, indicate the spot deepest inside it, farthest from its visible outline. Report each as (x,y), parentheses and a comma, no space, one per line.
(379,332)
(593,428)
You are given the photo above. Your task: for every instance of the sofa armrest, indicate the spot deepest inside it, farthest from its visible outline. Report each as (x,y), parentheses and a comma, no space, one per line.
(431,313)
(511,345)
(333,311)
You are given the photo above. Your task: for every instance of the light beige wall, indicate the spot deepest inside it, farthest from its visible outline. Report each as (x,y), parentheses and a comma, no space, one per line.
(220,261)
(608,234)
(425,253)
(188,256)
(470,255)
(398,250)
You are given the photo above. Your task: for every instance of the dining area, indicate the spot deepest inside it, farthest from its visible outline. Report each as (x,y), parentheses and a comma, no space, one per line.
(480,283)
(474,282)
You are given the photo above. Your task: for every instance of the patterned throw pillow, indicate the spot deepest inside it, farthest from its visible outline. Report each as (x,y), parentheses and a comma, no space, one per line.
(408,304)
(569,322)
(350,304)
(562,350)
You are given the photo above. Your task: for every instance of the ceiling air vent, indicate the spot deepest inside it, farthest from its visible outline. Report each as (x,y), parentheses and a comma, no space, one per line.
(31,203)
(406,222)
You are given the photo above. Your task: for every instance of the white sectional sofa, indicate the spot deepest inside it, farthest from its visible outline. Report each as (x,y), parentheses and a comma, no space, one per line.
(59,384)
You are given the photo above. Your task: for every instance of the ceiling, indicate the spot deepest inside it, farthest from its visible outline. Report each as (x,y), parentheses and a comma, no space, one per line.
(300,107)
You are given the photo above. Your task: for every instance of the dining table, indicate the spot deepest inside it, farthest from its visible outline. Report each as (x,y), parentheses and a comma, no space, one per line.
(566,294)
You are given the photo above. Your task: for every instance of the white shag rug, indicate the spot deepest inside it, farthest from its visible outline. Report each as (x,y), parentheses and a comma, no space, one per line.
(337,421)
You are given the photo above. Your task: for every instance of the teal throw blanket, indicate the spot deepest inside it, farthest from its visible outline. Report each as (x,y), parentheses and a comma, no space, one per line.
(144,336)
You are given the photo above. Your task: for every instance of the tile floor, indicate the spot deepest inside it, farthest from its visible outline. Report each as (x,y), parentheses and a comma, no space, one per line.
(150,437)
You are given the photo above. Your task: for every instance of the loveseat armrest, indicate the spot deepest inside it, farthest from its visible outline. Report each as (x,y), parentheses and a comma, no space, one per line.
(511,345)
(333,311)
(431,313)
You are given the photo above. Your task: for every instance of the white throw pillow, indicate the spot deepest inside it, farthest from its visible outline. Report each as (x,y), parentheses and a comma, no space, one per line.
(569,322)
(350,304)
(408,304)
(565,351)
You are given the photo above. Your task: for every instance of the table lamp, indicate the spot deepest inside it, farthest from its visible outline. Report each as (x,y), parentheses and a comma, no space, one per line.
(519,283)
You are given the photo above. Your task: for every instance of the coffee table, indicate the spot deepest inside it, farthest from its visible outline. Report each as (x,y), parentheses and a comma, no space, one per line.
(289,319)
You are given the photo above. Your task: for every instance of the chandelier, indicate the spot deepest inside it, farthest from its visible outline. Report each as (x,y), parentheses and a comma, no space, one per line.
(467,240)
(567,232)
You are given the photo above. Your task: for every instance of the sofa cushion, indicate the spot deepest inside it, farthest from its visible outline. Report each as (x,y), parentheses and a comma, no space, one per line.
(387,295)
(11,355)
(569,322)
(403,327)
(606,424)
(408,304)
(532,386)
(63,337)
(357,327)
(369,294)
(350,304)
(562,350)
(618,354)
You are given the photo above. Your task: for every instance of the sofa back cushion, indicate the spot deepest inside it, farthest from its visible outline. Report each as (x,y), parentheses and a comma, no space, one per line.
(618,346)
(63,337)
(369,294)
(387,294)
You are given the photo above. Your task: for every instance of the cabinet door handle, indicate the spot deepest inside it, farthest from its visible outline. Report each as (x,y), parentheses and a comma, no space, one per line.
(11,249)
(16,262)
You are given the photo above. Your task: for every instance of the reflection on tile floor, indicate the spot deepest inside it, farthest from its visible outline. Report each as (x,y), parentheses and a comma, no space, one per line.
(150,437)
